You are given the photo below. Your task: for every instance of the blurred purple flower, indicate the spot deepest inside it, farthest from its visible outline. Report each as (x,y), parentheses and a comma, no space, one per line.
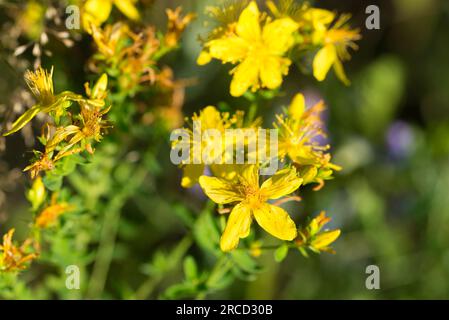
(400,139)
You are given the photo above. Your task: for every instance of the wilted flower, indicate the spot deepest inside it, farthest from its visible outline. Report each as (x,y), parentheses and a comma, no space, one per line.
(176,25)
(42,163)
(50,214)
(13,258)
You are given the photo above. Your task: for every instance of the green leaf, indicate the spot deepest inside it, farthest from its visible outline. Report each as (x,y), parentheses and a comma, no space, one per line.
(52,182)
(206,232)
(281,253)
(244,261)
(190,268)
(180,290)
(24,119)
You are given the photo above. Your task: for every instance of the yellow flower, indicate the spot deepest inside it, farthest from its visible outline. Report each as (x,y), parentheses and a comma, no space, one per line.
(209,118)
(312,237)
(96,12)
(319,20)
(324,239)
(13,258)
(300,132)
(259,52)
(336,42)
(252,203)
(40,83)
(50,214)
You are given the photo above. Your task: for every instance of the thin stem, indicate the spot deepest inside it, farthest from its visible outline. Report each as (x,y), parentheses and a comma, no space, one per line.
(252,112)
(108,235)
(106,248)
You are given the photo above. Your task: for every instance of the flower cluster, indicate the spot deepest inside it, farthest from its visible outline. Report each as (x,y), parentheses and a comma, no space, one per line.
(131,55)
(262,44)
(73,123)
(300,149)
(69,132)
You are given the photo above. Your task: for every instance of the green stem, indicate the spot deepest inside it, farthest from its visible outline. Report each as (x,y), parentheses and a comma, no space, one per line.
(108,235)
(252,112)
(106,248)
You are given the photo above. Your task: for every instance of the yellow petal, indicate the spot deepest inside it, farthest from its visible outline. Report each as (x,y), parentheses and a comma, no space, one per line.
(238,226)
(229,49)
(246,75)
(320,18)
(326,238)
(128,8)
(251,174)
(248,26)
(100,87)
(191,174)
(271,72)
(203,58)
(323,61)
(275,221)
(225,171)
(210,118)
(340,72)
(282,183)
(24,119)
(297,107)
(99,10)
(277,35)
(219,190)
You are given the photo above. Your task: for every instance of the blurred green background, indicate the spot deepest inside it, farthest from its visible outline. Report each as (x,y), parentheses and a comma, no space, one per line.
(389,131)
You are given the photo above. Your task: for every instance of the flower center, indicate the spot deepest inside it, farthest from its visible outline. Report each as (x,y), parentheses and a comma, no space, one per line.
(253,197)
